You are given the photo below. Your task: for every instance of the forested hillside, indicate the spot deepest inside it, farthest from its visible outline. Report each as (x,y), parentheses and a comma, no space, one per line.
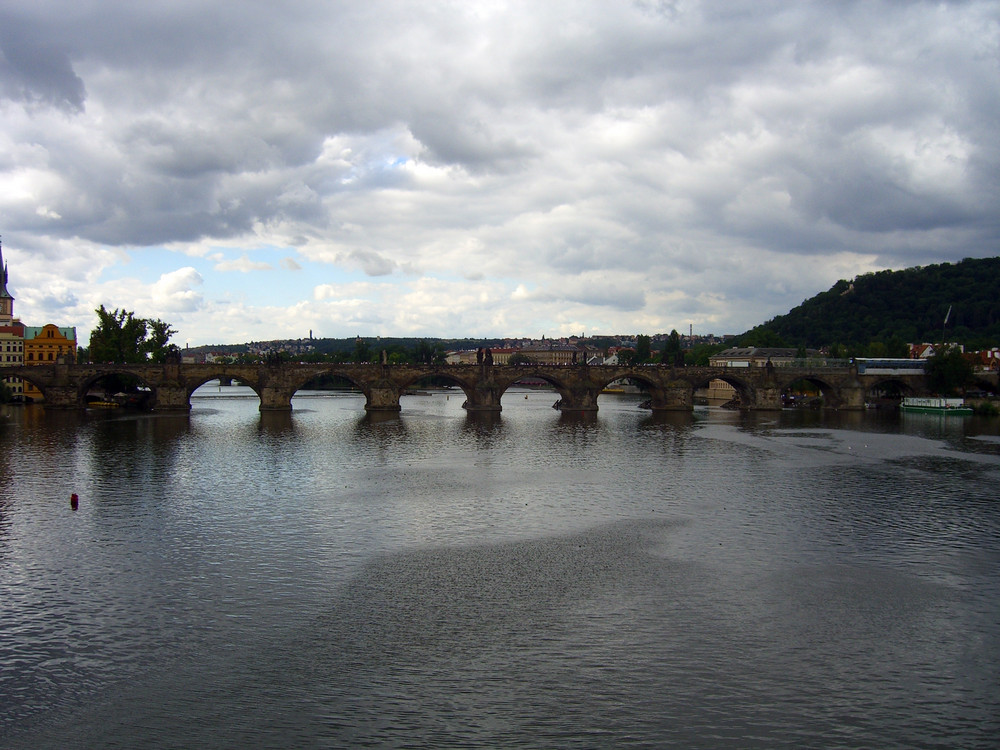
(896,306)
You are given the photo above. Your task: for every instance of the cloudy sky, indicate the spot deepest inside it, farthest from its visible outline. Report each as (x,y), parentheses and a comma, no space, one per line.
(256,170)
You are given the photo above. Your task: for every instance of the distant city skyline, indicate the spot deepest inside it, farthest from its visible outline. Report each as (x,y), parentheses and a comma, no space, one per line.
(437,169)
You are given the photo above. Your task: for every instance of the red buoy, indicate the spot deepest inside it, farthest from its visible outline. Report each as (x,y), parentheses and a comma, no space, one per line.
(74,501)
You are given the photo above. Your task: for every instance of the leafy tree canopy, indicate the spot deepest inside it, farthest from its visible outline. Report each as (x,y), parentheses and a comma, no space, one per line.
(672,354)
(122,338)
(699,355)
(643,350)
(948,372)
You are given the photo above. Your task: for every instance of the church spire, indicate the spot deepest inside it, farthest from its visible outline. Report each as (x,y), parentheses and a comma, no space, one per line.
(6,299)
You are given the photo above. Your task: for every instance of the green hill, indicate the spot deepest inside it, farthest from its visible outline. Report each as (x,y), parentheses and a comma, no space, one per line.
(894,307)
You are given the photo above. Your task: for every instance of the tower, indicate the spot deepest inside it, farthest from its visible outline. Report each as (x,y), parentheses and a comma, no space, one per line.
(6,299)
(11,337)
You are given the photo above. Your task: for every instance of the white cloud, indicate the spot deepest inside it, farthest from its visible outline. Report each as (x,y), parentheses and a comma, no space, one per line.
(243,264)
(173,291)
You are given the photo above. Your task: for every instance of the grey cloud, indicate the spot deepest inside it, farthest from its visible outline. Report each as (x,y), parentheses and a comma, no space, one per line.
(609,291)
(469,142)
(52,302)
(33,69)
(372,263)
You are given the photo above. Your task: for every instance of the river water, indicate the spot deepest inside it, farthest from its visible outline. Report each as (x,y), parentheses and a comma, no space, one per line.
(435,579)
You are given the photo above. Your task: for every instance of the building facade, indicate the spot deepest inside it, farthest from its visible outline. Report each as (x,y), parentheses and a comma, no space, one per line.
(11,334)
(44,345)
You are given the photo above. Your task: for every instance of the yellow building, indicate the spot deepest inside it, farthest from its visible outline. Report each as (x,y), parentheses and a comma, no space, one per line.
(45,345)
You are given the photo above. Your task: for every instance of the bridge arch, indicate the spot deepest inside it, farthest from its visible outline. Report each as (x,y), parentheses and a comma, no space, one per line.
(889,387)
(568,397)
(192,384)
(332,371)
(664,394)
(744,393)
(277,386)
(830,394)
(468,388)
(24,374)
(146,401)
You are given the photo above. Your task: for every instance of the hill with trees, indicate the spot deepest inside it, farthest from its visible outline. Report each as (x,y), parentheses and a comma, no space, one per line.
(878,313)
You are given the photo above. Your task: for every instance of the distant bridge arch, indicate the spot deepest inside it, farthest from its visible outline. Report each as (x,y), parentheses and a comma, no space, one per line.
(878,384)
(743,391)
(517,373)
(441,373)
(830,394)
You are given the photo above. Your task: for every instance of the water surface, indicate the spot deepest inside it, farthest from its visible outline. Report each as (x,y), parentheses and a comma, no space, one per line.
(330,579)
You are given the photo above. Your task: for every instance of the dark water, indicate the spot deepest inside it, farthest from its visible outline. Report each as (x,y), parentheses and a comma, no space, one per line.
(323,579)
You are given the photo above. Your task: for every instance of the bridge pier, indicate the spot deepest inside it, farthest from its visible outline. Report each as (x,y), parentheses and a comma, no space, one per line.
(852,398)
(485,397)
(172,398)
(275,398)
(62,397)
(766,399)
(673,398)
(382,397)
(579,399)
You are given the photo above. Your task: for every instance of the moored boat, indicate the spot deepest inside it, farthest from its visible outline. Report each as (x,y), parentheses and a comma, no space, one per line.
(936,405)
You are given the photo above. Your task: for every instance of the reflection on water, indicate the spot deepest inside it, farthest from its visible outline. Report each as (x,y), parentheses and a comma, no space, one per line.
(335,578)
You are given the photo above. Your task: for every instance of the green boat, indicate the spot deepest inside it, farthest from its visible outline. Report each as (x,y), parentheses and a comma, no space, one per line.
(936,405)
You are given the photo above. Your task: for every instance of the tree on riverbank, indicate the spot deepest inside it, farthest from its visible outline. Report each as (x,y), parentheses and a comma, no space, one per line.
(948,371)
(122,338)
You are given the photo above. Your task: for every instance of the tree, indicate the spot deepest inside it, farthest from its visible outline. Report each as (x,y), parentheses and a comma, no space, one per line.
(423,353)
(897,348)
(626,357)
(362,352)
(699,355)
(122,338)
(643,350)
(877,350)
(838,351)
(672,354)
(948,371)
(156,345)
(761,337)
(119,337)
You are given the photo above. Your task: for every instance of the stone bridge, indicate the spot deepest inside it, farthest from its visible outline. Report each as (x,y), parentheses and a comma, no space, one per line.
(65,386)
